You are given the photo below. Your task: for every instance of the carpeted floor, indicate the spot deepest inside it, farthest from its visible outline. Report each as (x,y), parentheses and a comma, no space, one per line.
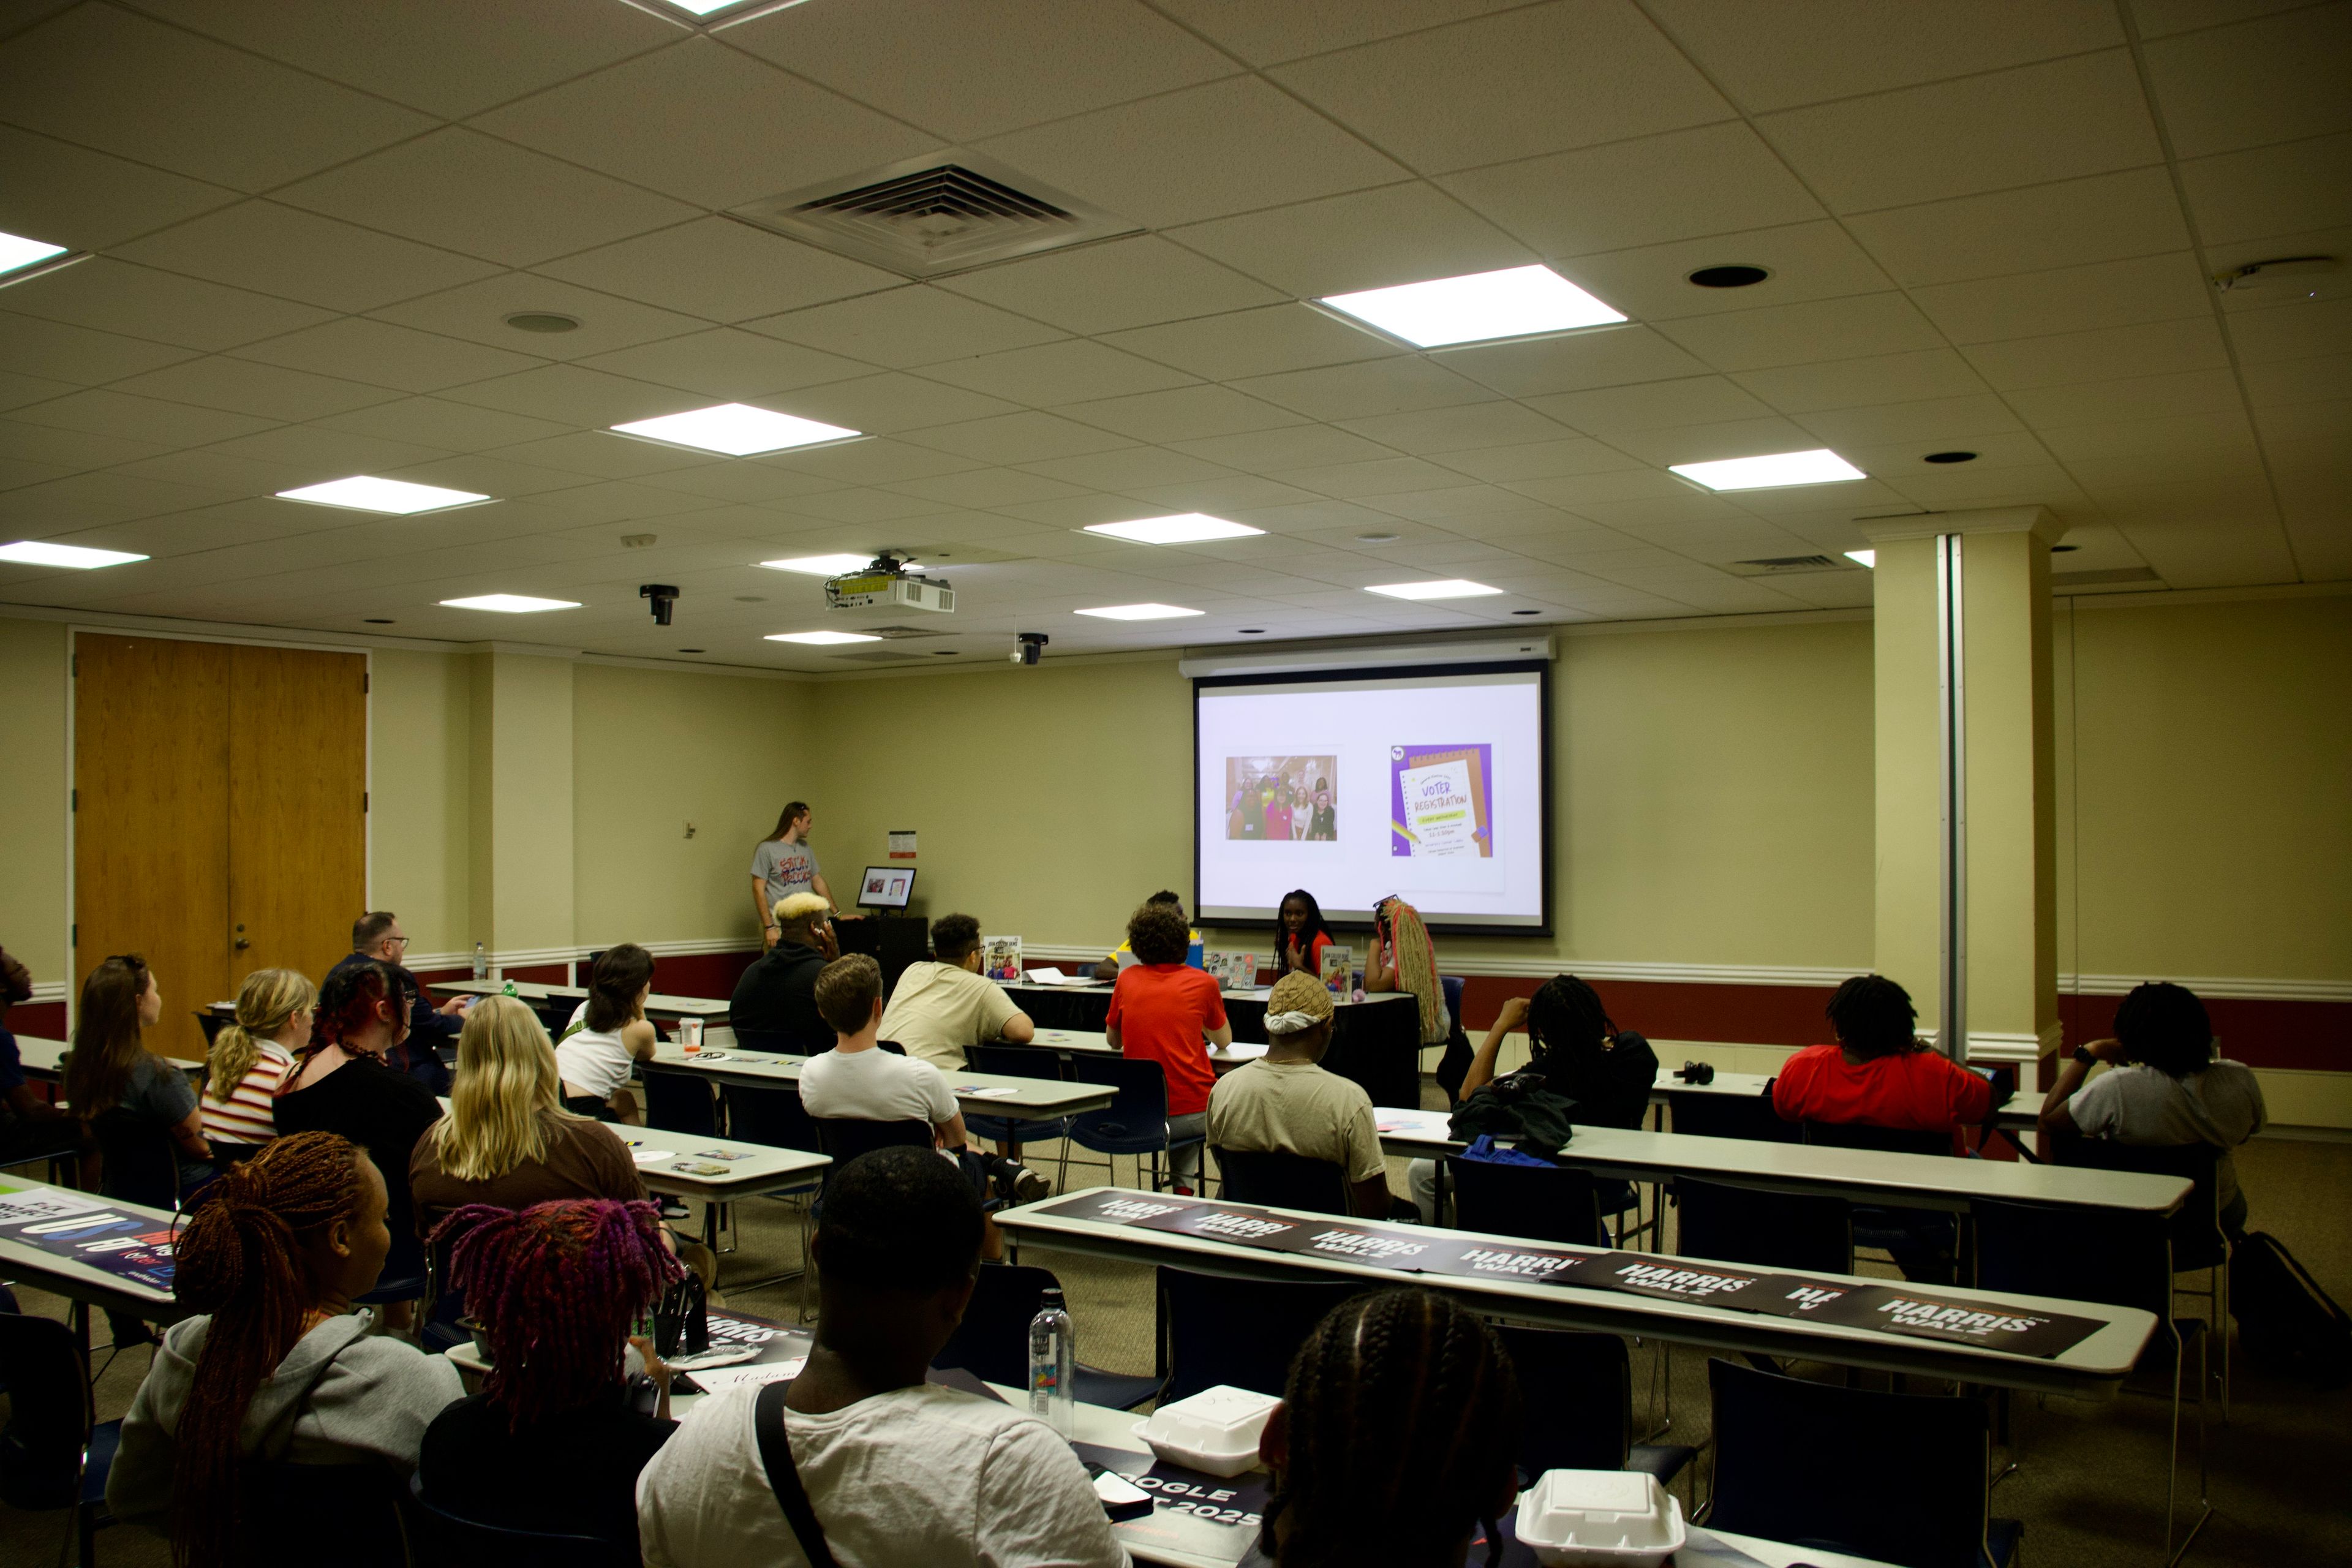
(2090,1477)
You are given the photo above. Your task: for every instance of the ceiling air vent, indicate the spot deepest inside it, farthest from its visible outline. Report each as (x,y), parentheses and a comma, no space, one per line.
(927,219)
(901,634)
(2062,581)
(1781,565)
(877,656)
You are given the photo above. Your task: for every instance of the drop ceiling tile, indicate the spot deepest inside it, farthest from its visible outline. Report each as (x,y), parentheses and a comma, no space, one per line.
(2293,330)
(142,302)
(1202,152)
(2279,78)
(1573,362)
(573,394)
(903,327)
(1369,239)
(606,501)
(468,192)
(1706,443)
(2139,397)
(166,424)
(478,312)
(1264,34)
(325,454)
(1224,497)
(16,391)
(729,364)
(2286,189)
(2191,551)
(300,256)
(435,424)
(404,51)
(1054,374)
(1132,469)
(71,195)
(721,269)
(2162,18)
(2056,120)
(1299,445)
(90,500)
(875,462)
(2106,217)
(1574,492)
(2068,299)
(1124,283)
(212,468)
(1847,48)
(1453,505)
(896,401)
(733,129)
(2222,435)
(1806,261)
(1254,343)
(965,69)
(2151,348)
(1696,400)
(1864,324)
(1373,478)
(1903,461)
(2286,424)
(2039,484)
(1361,391)
(2320,379)
(387,355)
(63,352)
(1852,382)
(1932,422)
(1434,432)
(483,474)
(986,488)
(107,78)
(1028,437)
(1511,86)
(748,484)
(1540,460)
(1077,511)
(863,506)
(241,386)
(1717,179)
(1182,413)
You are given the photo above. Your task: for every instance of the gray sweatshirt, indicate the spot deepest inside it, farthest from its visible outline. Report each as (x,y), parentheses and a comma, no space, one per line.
(342,1397)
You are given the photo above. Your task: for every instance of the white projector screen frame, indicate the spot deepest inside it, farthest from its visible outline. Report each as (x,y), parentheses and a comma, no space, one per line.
(1521,869)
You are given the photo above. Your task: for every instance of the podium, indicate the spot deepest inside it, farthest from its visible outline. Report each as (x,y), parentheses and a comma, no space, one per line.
(893,942)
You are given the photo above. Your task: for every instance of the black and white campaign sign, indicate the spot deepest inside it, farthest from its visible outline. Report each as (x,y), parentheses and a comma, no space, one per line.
(1120,1208)
(1192,1514)
(1787,1295)
(1645,1274)
(1387,1246)
(1498,1258)
(1220,1221)
(1988,1325)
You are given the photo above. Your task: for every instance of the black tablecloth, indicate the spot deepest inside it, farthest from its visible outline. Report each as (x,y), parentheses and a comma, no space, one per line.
(1376,1042)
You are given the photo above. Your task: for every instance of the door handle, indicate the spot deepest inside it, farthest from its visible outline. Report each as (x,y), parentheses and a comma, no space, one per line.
(242,944)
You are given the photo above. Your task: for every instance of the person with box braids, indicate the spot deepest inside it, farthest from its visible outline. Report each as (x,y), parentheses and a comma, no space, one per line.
(1394,1442)
(278,1367)
(555,1441)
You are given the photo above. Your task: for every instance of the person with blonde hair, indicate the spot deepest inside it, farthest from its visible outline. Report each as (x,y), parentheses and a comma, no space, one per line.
(251,1057)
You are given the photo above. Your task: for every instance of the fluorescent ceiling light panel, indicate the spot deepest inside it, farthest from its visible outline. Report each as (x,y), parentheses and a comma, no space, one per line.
(1442,588)
(1140,612)
(1190,528)
(1866,557)
(34,552)
(1516,302)
(1820,467)
(17,253)
(363,493)
(822,640)
(827,565)
(704,7)
(736,429)
(510,604)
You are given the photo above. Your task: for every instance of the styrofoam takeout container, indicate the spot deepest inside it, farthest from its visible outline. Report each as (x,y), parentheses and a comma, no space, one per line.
(1621,1519)
(1215,1431)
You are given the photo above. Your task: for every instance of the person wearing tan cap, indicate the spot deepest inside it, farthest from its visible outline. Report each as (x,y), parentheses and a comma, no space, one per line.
(1285,1102)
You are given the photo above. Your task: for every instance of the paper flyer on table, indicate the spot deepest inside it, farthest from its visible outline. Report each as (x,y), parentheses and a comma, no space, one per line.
(1440,801)
(1001,957)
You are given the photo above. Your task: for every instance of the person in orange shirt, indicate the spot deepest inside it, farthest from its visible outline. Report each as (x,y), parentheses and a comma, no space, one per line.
(1164,1010)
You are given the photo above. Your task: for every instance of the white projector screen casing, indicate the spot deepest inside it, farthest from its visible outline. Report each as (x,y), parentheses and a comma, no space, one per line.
(1460,754)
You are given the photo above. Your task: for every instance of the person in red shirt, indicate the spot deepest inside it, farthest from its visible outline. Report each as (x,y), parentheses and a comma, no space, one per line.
(1162,1010)
(1879,1074)
(1303,936)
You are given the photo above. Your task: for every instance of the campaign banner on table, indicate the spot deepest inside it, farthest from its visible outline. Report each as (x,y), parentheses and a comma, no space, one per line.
(1496,1258)
(1193,1514)
(1675,1279)
(89,1232)
(1220,1222)
(1788,1296)
(1117,1206)
(1988,1325)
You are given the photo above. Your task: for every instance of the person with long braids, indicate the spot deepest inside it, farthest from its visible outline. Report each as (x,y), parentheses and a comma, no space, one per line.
(343,1084)
(1403,958)
(276,1366)
(112,1078)
(1394,1439)
(552,1443)
(251,1057)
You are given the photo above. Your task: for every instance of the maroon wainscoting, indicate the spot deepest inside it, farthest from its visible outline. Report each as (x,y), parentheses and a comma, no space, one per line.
(2312,1037)
(37,1020)
(711,974)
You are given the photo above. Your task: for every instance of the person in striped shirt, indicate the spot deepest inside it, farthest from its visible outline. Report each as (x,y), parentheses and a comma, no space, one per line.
(251,1056)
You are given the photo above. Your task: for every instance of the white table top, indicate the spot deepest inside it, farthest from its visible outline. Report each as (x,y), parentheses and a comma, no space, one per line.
(751,1168)
(1862,1175)
(1247,994)
(1092,1043)
(976,1093)
(77,1281)
(41,1059)
(2093,1368)
(538,991)
(1730,1083)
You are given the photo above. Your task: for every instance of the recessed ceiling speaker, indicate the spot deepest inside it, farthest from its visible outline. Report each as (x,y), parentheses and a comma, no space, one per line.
(1949,457)
(1732,277)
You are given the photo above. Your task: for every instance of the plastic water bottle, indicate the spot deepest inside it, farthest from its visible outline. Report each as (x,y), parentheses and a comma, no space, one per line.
(1053,1358)
(481,961)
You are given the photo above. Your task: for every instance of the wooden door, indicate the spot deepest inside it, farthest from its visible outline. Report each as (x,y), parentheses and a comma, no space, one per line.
(150,819)
(297,821)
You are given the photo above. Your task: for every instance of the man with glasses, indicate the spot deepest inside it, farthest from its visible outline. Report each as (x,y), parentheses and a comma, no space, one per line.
(376,937)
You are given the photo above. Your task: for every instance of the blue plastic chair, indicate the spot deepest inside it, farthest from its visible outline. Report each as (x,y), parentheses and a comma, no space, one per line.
(52,1456)
(1214,1328)
(1135,1121)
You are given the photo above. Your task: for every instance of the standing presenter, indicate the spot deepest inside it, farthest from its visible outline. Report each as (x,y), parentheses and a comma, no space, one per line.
(783,864)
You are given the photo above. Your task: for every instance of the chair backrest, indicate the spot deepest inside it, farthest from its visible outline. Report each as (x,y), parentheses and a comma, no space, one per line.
(456,1542)
(1217,1329)
(1578,1392)
(139,1166)
(1284,1180)
(1013,1061)
(359,1508)
(1885,1140)
(845,1139)
(778,1041)
(1136,1121)
(772,1116)
(1899,1478)
(992,1341)
(1559,1205)
(48,1413)
(1729,1116)
(675,1102)
(1453,984)
(2196,1238)
(1764,1230)
(2112,1256)
(893,1046)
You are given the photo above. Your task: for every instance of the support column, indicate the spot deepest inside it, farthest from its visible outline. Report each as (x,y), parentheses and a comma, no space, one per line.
(1998,622)
(521,891)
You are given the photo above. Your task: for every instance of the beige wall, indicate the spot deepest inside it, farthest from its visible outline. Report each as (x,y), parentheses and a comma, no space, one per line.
(33,796)
(420,813)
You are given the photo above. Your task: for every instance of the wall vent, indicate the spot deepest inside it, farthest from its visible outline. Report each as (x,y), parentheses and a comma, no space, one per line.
(2061,580)
(927,219)
(1780,565)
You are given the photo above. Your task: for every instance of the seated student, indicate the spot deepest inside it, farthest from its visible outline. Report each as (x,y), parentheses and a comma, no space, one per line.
(777,993)
(1163,1010)
(251,1057)
(1286,1101)
(343,1085)
(377,936)
(552,1443)
(939,1009)
(277,1250)
(1879,1074)
(1123,955)
(609,1035)
(894,1470)
(1304,936)
(112,1075)
(1394,1438)
(30,1124)
(2166,1088)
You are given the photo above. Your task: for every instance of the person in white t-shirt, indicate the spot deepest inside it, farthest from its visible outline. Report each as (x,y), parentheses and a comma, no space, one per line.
(941,1009)
(894,1470)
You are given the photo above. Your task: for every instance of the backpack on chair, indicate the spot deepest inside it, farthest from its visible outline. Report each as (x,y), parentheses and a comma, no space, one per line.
(2288,1324)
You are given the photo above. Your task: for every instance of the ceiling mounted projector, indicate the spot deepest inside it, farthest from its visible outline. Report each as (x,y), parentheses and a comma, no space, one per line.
(887,583)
